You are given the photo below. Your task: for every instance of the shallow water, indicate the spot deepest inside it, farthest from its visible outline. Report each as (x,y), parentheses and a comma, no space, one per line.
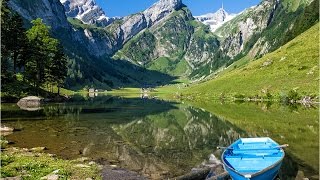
(156,138)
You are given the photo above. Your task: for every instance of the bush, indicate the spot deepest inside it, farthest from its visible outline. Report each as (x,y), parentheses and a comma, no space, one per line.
(239,96)
(283,97)
(269,96)
(293,96)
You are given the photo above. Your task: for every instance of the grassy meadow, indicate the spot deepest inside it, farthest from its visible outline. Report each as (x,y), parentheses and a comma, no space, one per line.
(293,67)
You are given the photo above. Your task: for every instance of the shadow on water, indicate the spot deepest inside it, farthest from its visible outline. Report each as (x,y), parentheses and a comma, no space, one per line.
(156,138)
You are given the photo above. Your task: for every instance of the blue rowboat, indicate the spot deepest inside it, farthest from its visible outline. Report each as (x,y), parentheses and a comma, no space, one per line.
(253,159)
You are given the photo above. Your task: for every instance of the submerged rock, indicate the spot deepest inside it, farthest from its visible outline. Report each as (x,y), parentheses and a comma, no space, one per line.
(38,149)
(120,174)
(6,129)
(50,177)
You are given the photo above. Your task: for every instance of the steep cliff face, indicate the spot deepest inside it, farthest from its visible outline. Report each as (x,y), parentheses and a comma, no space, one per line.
(133,24)
(49,10)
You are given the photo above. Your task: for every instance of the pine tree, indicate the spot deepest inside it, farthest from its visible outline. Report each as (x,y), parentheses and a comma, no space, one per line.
(58,69)
(5,53)
(44,48)
(13,41)
(18,43)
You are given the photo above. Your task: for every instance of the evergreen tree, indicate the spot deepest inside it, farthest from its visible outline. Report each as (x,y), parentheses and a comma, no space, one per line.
(58,69)
(44,48)
(13,43)
(18,43)
(5,53)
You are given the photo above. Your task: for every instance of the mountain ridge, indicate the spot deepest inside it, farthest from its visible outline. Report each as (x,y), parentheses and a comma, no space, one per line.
(163,37)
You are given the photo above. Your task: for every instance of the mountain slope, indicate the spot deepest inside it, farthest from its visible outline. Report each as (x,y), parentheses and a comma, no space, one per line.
(164,40)
(89,47)
(261,29)
(265,27)
(292,67)
(177,46)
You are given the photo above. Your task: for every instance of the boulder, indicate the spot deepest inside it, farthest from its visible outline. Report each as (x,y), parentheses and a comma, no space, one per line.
(38,149)
(30,103)
(6,129)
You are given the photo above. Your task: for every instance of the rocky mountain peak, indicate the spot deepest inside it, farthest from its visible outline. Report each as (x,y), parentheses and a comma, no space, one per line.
(87,11)
(160,9)
(215,20)
(169,4)
(221,14)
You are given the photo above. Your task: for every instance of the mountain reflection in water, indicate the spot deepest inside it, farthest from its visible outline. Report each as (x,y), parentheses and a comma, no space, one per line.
(159,139)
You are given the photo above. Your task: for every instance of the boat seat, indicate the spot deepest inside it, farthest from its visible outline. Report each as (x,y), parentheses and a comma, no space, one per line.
(260,152)
(251,164)
(254,146)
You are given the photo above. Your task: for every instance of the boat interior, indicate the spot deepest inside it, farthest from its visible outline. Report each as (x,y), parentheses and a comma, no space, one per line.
(249,157)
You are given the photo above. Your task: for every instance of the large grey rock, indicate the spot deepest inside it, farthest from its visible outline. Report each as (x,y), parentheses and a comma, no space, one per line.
(6,129)
(30,103)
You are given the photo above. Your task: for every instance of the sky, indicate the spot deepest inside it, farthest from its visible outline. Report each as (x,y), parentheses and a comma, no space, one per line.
(198,7)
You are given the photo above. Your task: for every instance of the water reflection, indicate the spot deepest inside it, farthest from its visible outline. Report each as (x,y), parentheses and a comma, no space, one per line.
(156,138)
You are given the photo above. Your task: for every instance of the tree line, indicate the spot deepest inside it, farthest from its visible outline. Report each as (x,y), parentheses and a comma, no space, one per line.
(32,53)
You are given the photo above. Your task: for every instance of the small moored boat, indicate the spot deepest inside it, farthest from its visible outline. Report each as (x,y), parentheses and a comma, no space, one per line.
(253,159)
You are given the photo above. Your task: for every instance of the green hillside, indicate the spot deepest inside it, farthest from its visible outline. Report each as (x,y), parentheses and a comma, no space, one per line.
(293,67)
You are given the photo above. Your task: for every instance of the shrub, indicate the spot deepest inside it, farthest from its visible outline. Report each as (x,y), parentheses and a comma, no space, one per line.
(293,96)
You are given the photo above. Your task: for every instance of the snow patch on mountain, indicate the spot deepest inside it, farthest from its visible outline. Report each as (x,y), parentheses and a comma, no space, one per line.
(215,20)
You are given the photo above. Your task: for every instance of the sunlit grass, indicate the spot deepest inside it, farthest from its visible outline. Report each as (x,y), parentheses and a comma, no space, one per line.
(292,67)
(17,162)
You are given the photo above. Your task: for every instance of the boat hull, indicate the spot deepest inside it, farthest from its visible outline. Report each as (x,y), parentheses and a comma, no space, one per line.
(267,175)
(253,159)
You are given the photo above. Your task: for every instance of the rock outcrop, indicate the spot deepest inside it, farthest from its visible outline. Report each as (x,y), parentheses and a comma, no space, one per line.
(51,11)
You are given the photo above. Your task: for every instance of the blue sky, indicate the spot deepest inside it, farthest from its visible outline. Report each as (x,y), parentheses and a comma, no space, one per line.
(198,7)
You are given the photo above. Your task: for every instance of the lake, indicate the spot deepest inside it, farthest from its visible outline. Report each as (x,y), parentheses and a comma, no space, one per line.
(162,139)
